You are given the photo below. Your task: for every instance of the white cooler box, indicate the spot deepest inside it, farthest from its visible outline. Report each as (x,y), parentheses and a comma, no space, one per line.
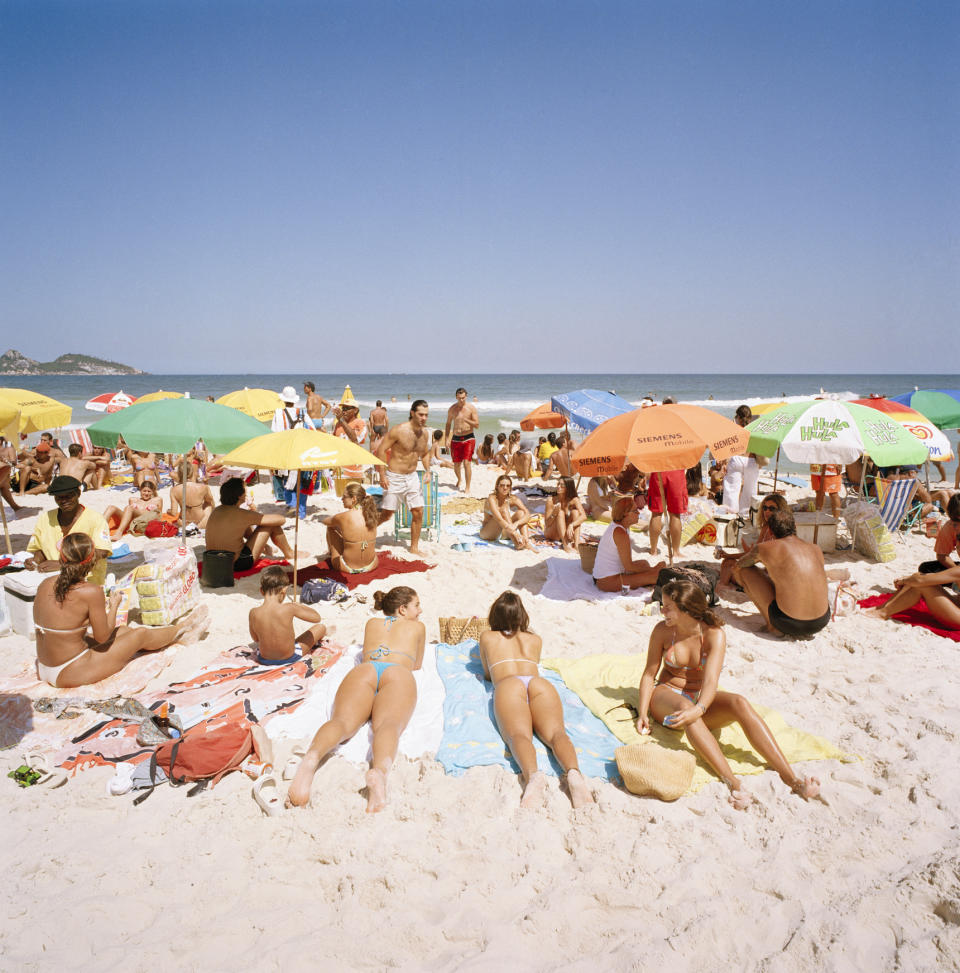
(21,589)
(826,529)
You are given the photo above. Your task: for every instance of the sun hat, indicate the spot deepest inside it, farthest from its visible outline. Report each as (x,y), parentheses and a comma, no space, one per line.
(64,484)
(43,446)
(651,770)
(289,395)
(348,400)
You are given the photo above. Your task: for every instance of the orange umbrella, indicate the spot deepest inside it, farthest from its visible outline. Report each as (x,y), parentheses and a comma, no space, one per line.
(542,418)
(659,438)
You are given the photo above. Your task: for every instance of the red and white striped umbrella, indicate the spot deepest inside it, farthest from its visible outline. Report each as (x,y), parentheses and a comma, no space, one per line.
(110,402)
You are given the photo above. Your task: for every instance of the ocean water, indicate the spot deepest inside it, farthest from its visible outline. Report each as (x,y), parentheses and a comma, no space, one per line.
(501,400)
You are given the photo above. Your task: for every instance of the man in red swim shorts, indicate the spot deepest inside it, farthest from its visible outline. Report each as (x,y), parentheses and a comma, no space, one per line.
(463,419)
(675,488)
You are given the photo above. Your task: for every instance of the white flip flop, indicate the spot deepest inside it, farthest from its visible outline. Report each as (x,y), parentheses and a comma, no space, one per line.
(38,761)
(266,792)
(290,767)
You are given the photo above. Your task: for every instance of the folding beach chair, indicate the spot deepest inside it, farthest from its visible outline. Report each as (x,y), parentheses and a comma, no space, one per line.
(895,498)
(82,437)
(430,484)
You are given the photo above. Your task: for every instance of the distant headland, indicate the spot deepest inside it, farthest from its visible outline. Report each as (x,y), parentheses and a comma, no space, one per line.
(13,363)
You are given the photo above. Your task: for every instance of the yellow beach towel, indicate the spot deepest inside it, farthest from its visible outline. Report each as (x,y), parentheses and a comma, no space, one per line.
(608,685)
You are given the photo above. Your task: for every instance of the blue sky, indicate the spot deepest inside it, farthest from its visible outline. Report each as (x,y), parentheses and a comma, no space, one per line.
(486,186)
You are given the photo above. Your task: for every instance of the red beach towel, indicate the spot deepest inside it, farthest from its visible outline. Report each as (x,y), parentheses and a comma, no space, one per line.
(386,566)
(917,615)
(264,562)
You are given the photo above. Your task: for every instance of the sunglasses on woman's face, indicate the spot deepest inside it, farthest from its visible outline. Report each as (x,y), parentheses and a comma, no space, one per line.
(769,510)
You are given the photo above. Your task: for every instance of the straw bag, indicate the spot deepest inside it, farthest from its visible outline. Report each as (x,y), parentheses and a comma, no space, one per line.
(588,556)
(649,769)
(455,630)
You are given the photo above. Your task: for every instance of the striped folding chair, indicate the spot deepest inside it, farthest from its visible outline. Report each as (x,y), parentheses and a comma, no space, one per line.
(80,435)
(430,484)
(895,498)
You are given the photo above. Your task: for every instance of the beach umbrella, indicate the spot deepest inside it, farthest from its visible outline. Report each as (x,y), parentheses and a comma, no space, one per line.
(174,426)
(261,404)
(110,401)
(37,412)
(940,406)
(588,408)
(159,395)
(9,427)
(299,449)
(828,431)
(543,417)
(657,439)
(938,446)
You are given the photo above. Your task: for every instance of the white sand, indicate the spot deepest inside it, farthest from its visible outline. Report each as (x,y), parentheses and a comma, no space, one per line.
(453,875)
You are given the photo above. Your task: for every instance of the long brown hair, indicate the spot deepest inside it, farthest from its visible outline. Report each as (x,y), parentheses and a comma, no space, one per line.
(507,614)
(77,557)
(389,602)
(691,600)
(368,506)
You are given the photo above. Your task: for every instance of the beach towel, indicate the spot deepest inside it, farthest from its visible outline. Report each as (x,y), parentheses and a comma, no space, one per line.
(567,581)
(387,565)
(606,683)
(918,615)
(259,565)
(232,687)
(421,736)
(470,735)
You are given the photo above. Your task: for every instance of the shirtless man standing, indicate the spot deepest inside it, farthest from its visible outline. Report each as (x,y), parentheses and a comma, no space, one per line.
(792,593)
(317,406)
(462,417)
(245,532)
(406,444)
(379,424)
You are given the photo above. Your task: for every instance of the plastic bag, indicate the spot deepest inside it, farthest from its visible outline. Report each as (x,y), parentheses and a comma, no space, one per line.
(168,588)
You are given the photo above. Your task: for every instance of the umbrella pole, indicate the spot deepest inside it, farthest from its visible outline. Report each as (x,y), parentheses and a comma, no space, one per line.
(863,476)
(183,499)
(6,530)
(296,539)
(776,470)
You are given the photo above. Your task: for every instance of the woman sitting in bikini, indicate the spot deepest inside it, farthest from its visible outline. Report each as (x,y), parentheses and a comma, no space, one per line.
(146,504)
(614,568)
(687,648)
(564,515)
(505,513)
(65,608)
(485,451)
(144,466)
(380,689)
(770,504)
(524,702)
(933,589)
(600,497)
(351,535)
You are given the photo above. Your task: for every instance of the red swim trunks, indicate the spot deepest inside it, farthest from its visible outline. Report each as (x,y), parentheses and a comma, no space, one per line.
(461,448)
(675,487)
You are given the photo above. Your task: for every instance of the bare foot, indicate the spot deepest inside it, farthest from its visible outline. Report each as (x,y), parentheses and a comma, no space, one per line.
(741,799)
(299,793)
(376,790)
(534,790)
(568,548)
(414,550)
(806,787)
(580,794)
(877,612)
(193,626)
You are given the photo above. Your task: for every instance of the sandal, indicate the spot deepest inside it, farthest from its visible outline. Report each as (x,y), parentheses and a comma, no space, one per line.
(290,767)
(36,763)
(266,792)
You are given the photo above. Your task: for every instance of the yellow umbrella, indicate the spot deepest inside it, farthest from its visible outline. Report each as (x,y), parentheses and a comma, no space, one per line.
(37,412)
(259,403)
(299,449)
(9,426)
(159,394)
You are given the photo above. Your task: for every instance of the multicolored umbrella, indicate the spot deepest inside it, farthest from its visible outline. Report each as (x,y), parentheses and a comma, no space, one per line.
(110,402)
(827,431)
(588,408)
(261,404)
(940,406)
(542,417)
(937,444)
(37,412)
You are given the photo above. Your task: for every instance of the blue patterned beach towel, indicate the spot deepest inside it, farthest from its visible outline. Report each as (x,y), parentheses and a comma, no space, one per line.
(470,735)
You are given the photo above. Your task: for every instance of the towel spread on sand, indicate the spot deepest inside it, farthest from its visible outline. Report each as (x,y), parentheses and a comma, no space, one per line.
(918,615)
(387,565)
(470,735)
(421,736)
(231,687)
(566,581)
(606,683)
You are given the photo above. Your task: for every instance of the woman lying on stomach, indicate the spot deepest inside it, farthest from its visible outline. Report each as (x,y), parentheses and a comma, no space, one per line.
(687,648)
(66,607)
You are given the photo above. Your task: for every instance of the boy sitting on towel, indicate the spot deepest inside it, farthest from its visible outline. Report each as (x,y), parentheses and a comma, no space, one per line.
(271,624)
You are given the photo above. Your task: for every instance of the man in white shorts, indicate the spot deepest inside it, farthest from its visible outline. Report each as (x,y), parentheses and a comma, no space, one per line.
(406,444)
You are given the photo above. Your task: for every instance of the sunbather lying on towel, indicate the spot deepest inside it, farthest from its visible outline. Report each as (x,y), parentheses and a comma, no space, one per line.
(66,607)
(687,648)
(381,689)
(524,702)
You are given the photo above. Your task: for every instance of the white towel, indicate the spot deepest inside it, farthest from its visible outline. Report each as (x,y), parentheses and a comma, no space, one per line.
(566,580)
(423,732)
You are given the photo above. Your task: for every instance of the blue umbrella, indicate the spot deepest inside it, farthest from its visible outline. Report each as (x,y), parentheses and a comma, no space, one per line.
(587,408)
